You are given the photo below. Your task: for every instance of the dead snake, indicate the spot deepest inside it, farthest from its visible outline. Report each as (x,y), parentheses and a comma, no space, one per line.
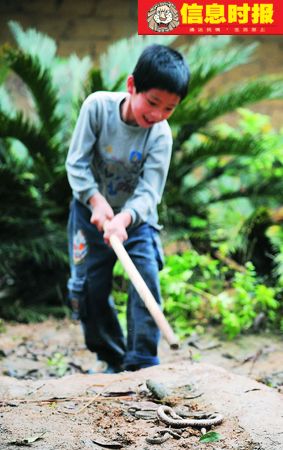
(168,416)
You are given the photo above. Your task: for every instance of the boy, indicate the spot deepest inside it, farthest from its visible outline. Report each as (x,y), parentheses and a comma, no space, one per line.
(117,167)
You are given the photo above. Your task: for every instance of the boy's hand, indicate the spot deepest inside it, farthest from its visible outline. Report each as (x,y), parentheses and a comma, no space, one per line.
(101,211)
(117,226)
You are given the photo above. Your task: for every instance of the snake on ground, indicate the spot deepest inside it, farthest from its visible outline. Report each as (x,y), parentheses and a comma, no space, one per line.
(167,415)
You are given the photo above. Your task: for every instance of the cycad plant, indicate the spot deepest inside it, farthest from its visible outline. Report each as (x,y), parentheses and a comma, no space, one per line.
(224,166)
(202,153)
(34,142)
(252,193)
(34,189)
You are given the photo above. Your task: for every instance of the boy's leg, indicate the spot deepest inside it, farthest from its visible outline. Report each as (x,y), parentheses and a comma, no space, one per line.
(144,247)
(90,285)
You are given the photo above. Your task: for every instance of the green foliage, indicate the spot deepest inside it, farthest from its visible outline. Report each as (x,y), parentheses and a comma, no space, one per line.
(220,164)
(239,307)
(39,81)
(21,312)
(207,59)
(275,234)
(240,226)
(34,190)
(188,283)
(215,167)
(34,43)
(58,364)
(196,292)
(211,436)
(120,287)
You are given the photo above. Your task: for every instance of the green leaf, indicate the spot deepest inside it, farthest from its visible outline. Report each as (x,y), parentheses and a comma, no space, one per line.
(211,436)
(3,71)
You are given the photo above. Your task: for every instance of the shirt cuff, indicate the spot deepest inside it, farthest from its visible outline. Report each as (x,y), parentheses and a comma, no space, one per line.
(133,214)
(85,196)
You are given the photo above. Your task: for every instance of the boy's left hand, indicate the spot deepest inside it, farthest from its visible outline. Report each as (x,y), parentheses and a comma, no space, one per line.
(117,226)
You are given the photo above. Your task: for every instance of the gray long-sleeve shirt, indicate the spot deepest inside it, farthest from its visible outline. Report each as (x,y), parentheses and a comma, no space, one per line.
(127,164)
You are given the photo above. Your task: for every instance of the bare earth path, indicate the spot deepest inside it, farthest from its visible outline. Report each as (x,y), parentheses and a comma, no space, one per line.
(42,409)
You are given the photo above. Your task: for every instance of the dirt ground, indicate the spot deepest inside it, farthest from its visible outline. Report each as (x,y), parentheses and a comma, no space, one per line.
(48,401)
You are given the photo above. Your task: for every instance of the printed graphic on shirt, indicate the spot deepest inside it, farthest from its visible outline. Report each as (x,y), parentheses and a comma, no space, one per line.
(79,247)
(135,156)
(119,176)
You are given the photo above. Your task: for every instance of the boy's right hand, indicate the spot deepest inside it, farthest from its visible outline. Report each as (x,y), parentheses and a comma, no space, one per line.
(101,210)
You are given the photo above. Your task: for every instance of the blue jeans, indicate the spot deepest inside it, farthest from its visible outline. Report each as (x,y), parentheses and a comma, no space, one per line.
(90,284)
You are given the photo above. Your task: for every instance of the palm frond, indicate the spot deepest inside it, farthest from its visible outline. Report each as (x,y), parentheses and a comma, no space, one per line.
(34,43)
(269,189)
(214,146)
(5,102)
(26,205)
(213,55)
(95,82)
(39,81)
(275,235)
(215,173)
(70,78)
(45,250)
(42,153)
(67,75)
(198,113)
(34,271)
(204,46)
(24,231)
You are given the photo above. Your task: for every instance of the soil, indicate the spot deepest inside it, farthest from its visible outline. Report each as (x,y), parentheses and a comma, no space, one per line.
(50,402)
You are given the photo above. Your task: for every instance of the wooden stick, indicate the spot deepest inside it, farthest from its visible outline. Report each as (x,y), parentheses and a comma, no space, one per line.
(144,292)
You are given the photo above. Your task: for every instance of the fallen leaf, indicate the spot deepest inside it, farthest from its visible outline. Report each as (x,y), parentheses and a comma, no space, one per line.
(29,440)
(211,436)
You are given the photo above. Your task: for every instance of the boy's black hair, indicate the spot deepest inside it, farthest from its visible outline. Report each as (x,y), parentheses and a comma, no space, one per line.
(161,67)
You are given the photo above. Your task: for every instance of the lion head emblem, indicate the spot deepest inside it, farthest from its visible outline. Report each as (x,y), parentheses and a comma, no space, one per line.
(163,17)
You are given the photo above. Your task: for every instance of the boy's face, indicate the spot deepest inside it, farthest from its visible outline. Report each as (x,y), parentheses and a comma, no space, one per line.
(147,108)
